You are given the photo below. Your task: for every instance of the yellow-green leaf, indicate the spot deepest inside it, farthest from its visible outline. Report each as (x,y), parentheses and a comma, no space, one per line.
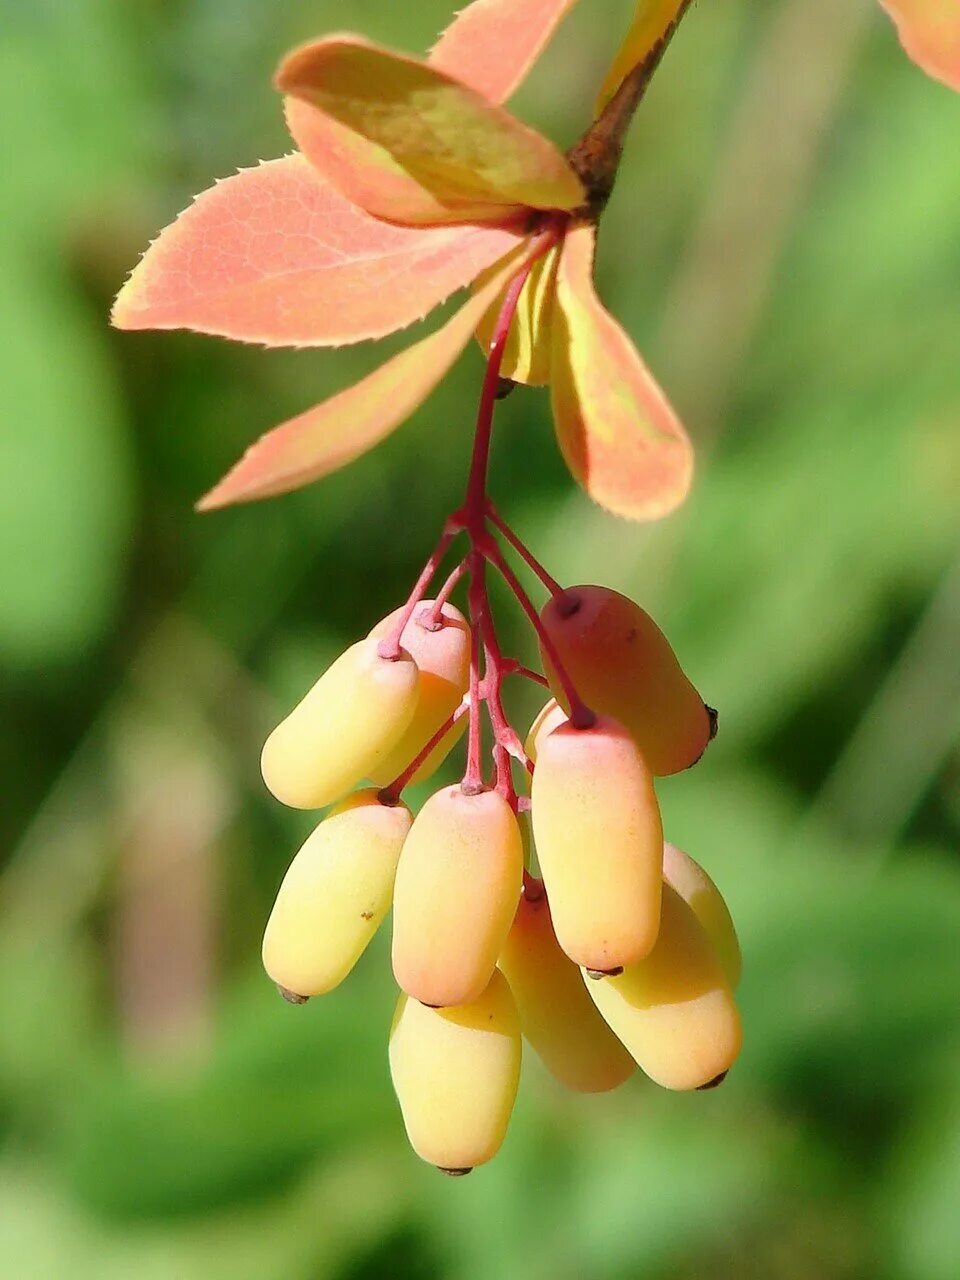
(492,44)
(930,33)
(526,356)
(333,433)
(651,23)
(409,144)
(616,430)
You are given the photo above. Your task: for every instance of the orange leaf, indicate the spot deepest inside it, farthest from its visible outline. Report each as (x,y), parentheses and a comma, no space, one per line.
(412,145)
(333,433)
(492,44)
(930,33)
(616,430)
(651,22)
(276,255)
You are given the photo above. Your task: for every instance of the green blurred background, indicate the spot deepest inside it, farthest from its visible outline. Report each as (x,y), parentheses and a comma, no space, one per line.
(784,244)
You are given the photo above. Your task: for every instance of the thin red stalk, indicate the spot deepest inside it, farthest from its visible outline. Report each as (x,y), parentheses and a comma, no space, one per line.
(504,783)
(389,647)
(516,669)
(473,776)
(443,595)
(391,793)
(581,716)
(494,669)
(475,503)
(522,550)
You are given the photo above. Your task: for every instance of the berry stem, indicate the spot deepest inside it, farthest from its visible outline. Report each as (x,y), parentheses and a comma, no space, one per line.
(581,716)
(389,647)
(477,601)
(391,794)
(443,595)
(522,549)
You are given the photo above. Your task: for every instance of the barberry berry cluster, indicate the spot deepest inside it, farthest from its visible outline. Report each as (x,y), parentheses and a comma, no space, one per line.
(624,952)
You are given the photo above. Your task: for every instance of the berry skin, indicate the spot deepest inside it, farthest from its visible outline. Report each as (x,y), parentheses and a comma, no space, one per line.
(622,665)
(674,1011)
(455,1072)
(456,893)
(346,725)
(599,840)
(700,893)
(558,1017)
(550,716)
(335,895)
(443,660)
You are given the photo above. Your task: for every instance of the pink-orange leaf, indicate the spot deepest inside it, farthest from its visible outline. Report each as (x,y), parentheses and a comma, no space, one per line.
(930,32)
(412,145)
(327,437)
(492,44)
(616,430)
(276,255)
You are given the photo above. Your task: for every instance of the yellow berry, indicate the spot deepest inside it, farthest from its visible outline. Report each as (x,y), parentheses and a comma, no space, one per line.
(700,893)
(556,1014)
(455,1072)
(622,665)
(456,892)
(443,661)
(599,841)
(550,716)
(345,726)
(335,895)
(674,1010)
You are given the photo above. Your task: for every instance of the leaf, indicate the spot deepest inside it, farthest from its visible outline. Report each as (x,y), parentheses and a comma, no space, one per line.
(526,357)
(929,31)
(492,44)
(651,22)
(616,430)
(333,433)
(412,145)
(276,255)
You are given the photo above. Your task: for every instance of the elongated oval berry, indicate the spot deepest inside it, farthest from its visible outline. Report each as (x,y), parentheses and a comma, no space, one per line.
(335,894)
(698,890)
(345,726)
(442,656)
(557,1016)
(622,665)
(550,716)
(674,1010)
(457,889)
(456,1072)
(599,840)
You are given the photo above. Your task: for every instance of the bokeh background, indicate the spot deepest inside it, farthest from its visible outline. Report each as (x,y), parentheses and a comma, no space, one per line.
(784,244)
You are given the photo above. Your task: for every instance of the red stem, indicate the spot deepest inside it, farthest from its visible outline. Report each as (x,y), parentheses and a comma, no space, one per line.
(581,716)
(443,595)
(389,647)
(473,776)
(522,550)
(391,793)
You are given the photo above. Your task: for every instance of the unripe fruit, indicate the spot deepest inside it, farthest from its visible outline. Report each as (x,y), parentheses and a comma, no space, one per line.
(443,660)
(455,1072)
(621,664)
(457,889)
(341,731)
(682,873)
(556,1014)
(674,1010)
(335,895)
(550,716)
(599,840)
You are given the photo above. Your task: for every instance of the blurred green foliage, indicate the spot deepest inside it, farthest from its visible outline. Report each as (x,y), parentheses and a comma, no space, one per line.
(784,244)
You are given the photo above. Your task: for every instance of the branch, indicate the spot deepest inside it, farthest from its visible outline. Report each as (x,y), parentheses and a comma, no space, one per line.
(596,157)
